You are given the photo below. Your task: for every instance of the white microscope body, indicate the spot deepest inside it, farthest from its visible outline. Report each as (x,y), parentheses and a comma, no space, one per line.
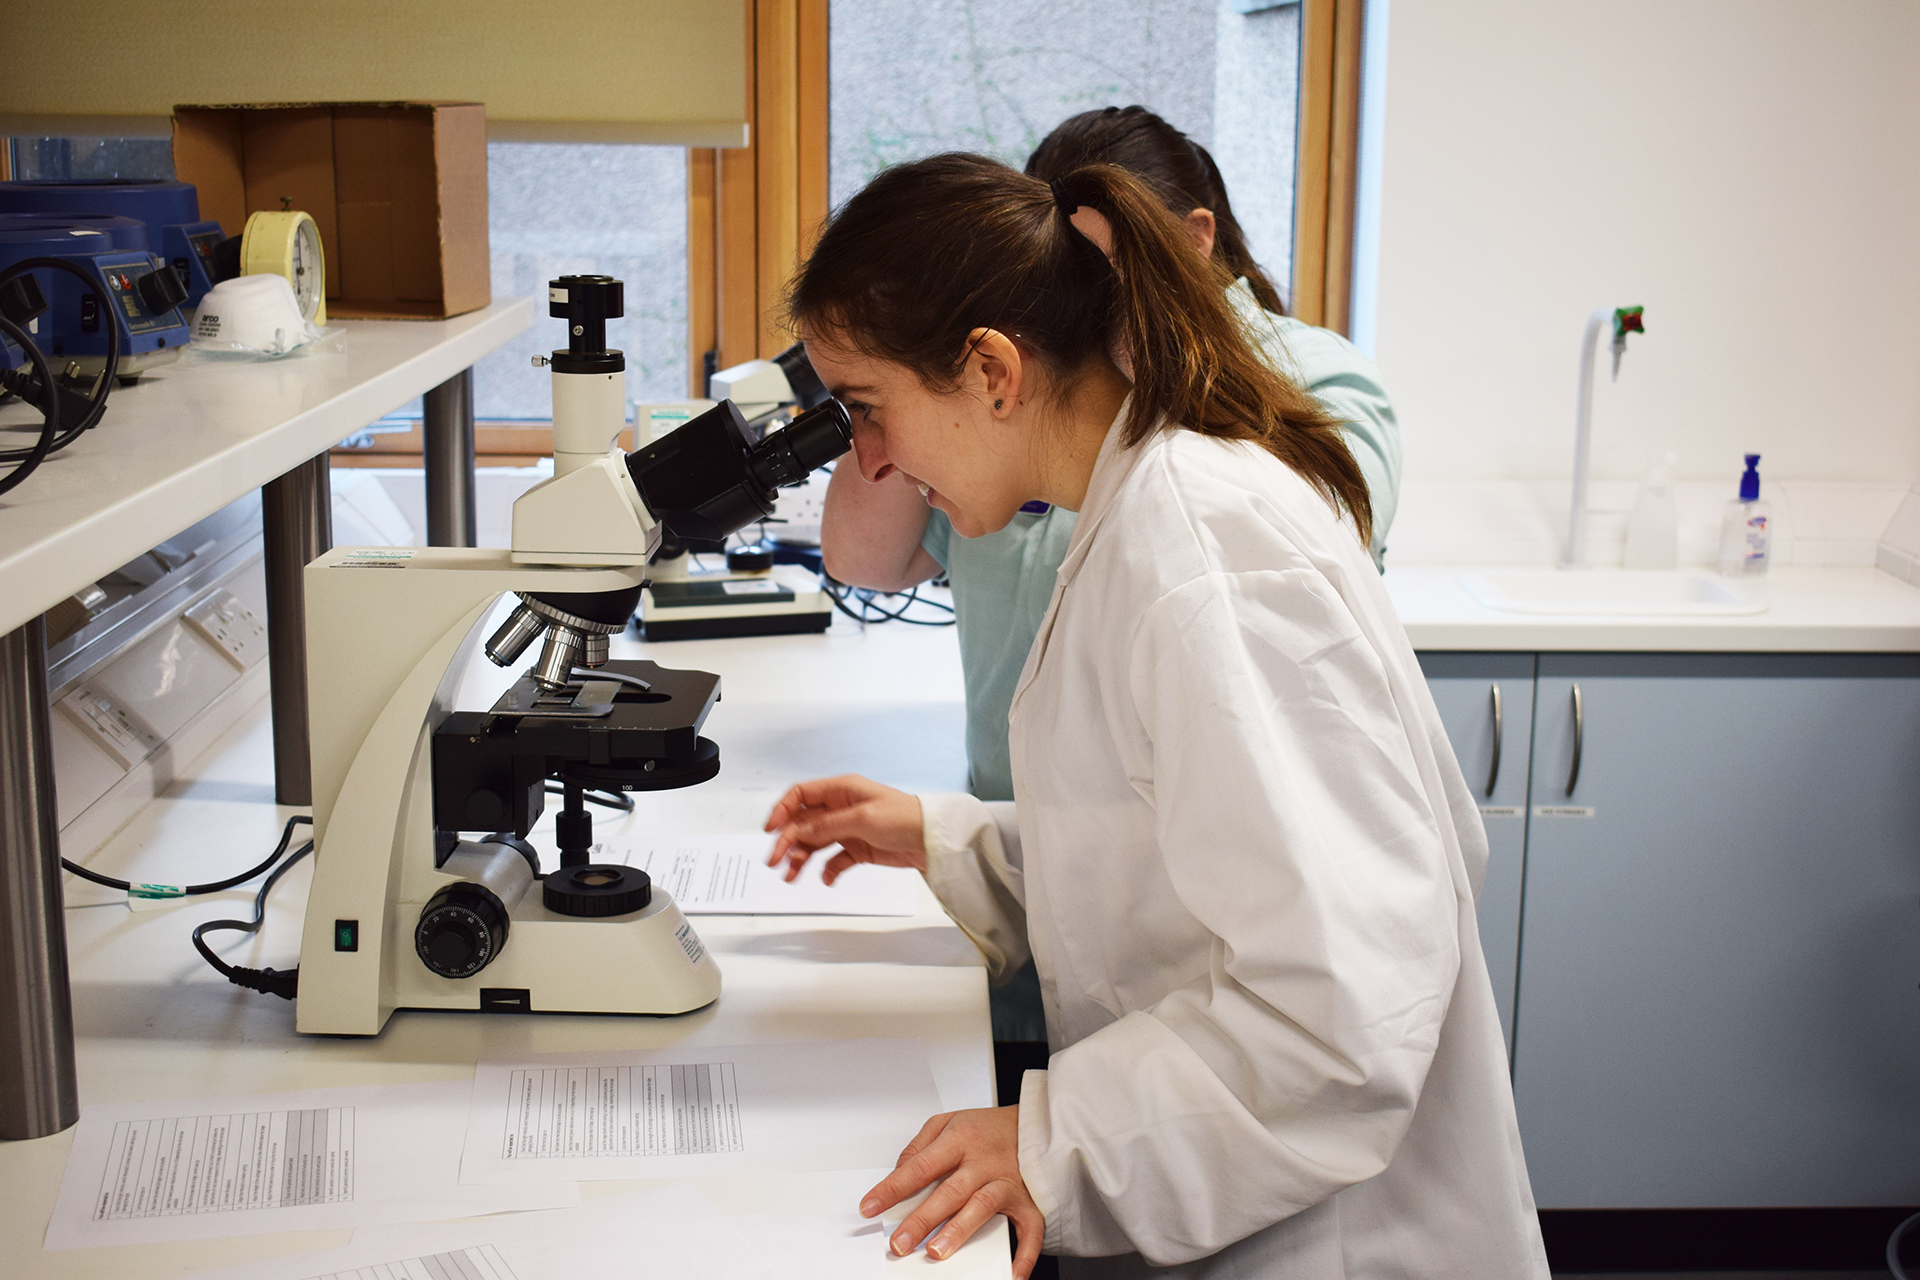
(398,901)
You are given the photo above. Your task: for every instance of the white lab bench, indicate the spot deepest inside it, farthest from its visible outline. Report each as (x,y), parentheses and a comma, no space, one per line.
(154,1021)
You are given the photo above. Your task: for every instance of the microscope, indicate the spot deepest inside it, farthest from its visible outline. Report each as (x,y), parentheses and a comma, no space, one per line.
(426,892)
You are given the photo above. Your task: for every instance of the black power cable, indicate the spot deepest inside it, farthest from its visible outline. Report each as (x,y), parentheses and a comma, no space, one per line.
(192,890)
(271,981)
(97,399)
(866,606)
(49,409)
(274,982)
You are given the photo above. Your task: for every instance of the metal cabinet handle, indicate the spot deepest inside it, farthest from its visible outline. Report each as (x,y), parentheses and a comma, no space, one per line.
(1579,737)
(1493,772)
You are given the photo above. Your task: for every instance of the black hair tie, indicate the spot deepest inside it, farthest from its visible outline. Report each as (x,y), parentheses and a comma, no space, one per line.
(1064,202)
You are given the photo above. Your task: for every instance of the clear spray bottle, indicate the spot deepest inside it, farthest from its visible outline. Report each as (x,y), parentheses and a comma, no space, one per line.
(1746,531)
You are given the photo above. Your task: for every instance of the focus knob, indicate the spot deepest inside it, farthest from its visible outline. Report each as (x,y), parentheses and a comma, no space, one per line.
(462,928)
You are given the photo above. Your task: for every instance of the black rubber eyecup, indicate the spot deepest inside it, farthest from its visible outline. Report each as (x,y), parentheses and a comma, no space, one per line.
(598,889)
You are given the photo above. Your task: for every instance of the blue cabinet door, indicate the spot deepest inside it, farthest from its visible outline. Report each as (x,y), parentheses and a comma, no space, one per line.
(1486,704)
(1718,971)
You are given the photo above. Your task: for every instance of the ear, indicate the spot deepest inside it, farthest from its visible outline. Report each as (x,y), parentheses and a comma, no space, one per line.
(1200,227)
(996,370)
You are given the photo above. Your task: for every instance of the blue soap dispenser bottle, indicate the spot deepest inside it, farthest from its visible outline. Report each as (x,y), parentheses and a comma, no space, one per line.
(1746,531)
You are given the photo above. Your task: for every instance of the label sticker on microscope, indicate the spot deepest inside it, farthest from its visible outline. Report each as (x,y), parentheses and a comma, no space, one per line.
(751,587)
(690,943)
(556,295)
(1563,811)
(376,558)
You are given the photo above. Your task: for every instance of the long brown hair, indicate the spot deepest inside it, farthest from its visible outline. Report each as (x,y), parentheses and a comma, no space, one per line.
(931,250)
(1178,169)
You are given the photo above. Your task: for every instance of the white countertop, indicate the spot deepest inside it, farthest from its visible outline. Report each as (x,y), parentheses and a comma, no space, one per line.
(1810,609)
(153,1021)
(191,437)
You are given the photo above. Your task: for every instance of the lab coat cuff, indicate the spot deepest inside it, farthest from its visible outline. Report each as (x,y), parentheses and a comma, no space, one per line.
(1036,1137)
(973,868)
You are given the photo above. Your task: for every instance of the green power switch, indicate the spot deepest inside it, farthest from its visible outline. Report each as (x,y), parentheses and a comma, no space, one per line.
(346,935)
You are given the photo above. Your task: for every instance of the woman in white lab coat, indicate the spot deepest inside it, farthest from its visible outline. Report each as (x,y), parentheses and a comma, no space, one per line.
(1241,853)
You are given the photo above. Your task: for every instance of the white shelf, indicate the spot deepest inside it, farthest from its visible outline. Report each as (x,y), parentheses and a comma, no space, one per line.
(189,438)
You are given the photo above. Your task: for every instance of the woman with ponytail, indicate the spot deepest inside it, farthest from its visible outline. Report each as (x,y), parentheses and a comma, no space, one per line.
(1241,853)
(883,536)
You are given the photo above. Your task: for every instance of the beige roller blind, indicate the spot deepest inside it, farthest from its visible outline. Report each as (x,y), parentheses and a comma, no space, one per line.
(665,71)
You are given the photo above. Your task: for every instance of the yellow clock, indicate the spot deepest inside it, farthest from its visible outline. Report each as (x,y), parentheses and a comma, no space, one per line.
(288,245)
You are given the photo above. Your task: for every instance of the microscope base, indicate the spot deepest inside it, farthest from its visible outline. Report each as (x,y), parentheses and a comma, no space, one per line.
(646,962)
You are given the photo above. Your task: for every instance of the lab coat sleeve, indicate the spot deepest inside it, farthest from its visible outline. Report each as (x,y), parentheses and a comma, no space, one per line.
(1293,824)
(973,867)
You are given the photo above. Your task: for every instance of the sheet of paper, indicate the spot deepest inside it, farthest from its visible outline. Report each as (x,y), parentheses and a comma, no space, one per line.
(698,1109)
(727,875)
(669,1233)
(672,1231)
(141,1172)
(815,1248)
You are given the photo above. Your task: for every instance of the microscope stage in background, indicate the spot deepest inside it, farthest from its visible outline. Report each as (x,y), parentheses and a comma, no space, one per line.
(786,600)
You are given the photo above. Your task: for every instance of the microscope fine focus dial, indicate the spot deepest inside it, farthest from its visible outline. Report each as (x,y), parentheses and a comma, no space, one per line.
(461,930)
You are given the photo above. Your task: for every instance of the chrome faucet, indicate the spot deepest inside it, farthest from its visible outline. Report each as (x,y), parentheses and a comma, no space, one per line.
(1625,320)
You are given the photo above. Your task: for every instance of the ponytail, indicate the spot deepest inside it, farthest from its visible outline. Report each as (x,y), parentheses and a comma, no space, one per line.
(930,251)
(1192,363)
(1178,170)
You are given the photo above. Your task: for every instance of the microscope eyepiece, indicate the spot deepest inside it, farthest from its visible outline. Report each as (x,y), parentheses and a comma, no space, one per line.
(811,440)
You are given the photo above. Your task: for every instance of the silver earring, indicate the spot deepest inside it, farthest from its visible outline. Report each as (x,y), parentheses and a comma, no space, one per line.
(998,403)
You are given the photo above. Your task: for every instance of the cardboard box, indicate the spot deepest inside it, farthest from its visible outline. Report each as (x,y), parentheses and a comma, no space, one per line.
(398,190)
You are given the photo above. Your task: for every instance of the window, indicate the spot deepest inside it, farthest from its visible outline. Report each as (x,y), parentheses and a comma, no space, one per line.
(558,209)
(983,75)
(69,158)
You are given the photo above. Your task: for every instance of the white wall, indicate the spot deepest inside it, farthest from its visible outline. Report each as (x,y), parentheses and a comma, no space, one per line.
(1748,170)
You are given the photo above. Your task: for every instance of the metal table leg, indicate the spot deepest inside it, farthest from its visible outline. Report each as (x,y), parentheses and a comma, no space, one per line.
(297,510)
(38,1095)
(448,448)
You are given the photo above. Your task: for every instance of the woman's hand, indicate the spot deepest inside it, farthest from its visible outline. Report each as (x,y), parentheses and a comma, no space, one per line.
(871,823)
(978,1153)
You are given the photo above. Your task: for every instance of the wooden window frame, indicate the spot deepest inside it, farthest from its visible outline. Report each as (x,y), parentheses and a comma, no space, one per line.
(1332,34)
(753,212)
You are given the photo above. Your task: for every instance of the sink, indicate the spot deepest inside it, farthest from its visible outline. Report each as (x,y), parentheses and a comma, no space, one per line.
(1622,592)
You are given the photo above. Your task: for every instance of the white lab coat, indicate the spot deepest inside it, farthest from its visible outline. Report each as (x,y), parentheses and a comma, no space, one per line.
(1244,859)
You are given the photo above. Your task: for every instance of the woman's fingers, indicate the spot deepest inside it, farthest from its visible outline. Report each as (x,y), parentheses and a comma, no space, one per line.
(977,1153)
(821,793)
(910,1172)
(837,864)
(978,1209)
(1032,1229)
(929,1133)
(947,1199)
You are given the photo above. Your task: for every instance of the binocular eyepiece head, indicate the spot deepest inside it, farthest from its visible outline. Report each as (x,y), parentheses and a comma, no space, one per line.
(709,478)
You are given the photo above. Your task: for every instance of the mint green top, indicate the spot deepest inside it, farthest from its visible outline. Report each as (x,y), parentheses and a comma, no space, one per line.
(1003,581)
